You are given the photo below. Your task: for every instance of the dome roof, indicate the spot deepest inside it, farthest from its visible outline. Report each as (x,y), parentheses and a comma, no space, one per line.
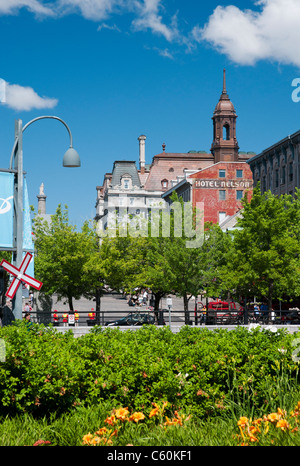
(224,105)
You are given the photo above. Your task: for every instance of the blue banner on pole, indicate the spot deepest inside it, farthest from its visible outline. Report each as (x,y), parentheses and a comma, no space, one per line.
(27,230)
(6,209)
(27,235)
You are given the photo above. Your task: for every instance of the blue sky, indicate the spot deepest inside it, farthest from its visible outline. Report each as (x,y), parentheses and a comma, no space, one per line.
(115,69)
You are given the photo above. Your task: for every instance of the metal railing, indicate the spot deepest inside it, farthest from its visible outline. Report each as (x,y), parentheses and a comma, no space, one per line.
(138,316)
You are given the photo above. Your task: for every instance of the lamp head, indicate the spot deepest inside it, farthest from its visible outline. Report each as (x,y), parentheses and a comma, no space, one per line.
(71,158)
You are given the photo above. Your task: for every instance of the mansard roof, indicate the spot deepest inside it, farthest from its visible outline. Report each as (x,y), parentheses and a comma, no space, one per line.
(125,167)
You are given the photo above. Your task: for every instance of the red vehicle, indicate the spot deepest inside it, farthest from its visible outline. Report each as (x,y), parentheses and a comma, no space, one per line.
(222,312)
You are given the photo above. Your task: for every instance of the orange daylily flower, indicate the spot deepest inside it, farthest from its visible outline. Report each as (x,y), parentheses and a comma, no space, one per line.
(282,424)
(87,438)
(136,417)
(121,413)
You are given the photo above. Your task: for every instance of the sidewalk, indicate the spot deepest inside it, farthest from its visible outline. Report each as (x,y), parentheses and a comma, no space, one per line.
(115,302)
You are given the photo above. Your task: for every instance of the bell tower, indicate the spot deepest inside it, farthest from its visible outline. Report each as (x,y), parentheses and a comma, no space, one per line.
(224,146)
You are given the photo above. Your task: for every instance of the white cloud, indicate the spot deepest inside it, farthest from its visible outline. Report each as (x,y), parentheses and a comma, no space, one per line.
(12,6)
(147,13)
(247,36)
(114,27)
(149,18)
(94,10)
(25,98)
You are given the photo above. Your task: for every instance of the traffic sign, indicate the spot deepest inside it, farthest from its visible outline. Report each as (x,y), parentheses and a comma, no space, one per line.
(20,276)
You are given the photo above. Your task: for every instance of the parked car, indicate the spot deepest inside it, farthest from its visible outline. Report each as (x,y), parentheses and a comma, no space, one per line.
(132,319)
(222,312)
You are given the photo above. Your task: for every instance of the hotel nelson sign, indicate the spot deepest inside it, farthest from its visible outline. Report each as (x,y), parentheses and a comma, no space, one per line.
(217,184)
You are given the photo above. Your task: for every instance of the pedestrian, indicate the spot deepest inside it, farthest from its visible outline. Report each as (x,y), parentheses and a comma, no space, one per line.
(265,312)
(140,299)
(65,319)
(7,314)
(76,318)
(256,312)
(55,318)
(131,301)
(27,308)
(145,297)
(92,314)
(27,319)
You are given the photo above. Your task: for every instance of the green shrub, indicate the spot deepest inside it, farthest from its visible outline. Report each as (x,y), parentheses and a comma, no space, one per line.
(198,370)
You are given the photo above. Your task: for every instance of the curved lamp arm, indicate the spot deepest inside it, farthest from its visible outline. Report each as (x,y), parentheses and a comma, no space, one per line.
(32,121)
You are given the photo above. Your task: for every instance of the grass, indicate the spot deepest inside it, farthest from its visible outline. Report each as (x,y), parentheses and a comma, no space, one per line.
(69,429)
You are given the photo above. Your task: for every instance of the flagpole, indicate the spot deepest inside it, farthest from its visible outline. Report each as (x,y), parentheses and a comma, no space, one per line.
(18,222)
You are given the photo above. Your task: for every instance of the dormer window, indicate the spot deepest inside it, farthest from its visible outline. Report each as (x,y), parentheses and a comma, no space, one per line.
(164,184)
(126,182)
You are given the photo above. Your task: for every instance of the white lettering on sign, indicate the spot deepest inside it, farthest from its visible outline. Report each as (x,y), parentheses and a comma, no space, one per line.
(244,184)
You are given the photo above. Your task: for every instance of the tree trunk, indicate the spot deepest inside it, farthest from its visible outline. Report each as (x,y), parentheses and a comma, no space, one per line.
(158,316)
(186,309)
(70,301)
(270,298)
(98,306)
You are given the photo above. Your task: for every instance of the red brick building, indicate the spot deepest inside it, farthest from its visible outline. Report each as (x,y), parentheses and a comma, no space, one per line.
(222,184)
(221,187)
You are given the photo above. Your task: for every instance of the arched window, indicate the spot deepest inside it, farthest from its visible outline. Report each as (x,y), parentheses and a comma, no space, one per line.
(164,184)
(226,132)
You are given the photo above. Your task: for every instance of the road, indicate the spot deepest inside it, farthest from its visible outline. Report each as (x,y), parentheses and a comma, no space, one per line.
(114,306)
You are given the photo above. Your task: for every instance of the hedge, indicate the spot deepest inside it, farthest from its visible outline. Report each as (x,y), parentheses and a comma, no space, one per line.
(197,370)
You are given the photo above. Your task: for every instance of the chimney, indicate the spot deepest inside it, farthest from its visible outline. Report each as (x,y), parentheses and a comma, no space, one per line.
(42,201)
(142,140)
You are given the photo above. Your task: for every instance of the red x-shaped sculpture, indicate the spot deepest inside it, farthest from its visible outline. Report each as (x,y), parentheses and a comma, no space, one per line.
(20,276)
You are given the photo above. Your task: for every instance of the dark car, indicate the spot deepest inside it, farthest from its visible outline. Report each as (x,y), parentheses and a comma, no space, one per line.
(133,319)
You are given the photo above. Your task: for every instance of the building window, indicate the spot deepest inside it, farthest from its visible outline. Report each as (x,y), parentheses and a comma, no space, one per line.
(222,173)
(283,175)
(239,173)
(291,171)
(276,178)
(239,194)
(226,132)
(222,195)
(164,184)
(126,182)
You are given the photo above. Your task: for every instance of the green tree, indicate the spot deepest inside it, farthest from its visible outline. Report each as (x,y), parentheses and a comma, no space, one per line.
(216,251)
(264,259)
(61,257)
(157,257)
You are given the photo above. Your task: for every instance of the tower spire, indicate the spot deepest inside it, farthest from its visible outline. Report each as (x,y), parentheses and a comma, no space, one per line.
(224,146)
(224,81)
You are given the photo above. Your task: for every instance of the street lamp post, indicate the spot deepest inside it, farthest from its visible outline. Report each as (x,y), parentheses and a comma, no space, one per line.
(71,159)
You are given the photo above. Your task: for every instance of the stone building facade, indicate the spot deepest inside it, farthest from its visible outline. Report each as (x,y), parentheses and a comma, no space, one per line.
(277,167)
